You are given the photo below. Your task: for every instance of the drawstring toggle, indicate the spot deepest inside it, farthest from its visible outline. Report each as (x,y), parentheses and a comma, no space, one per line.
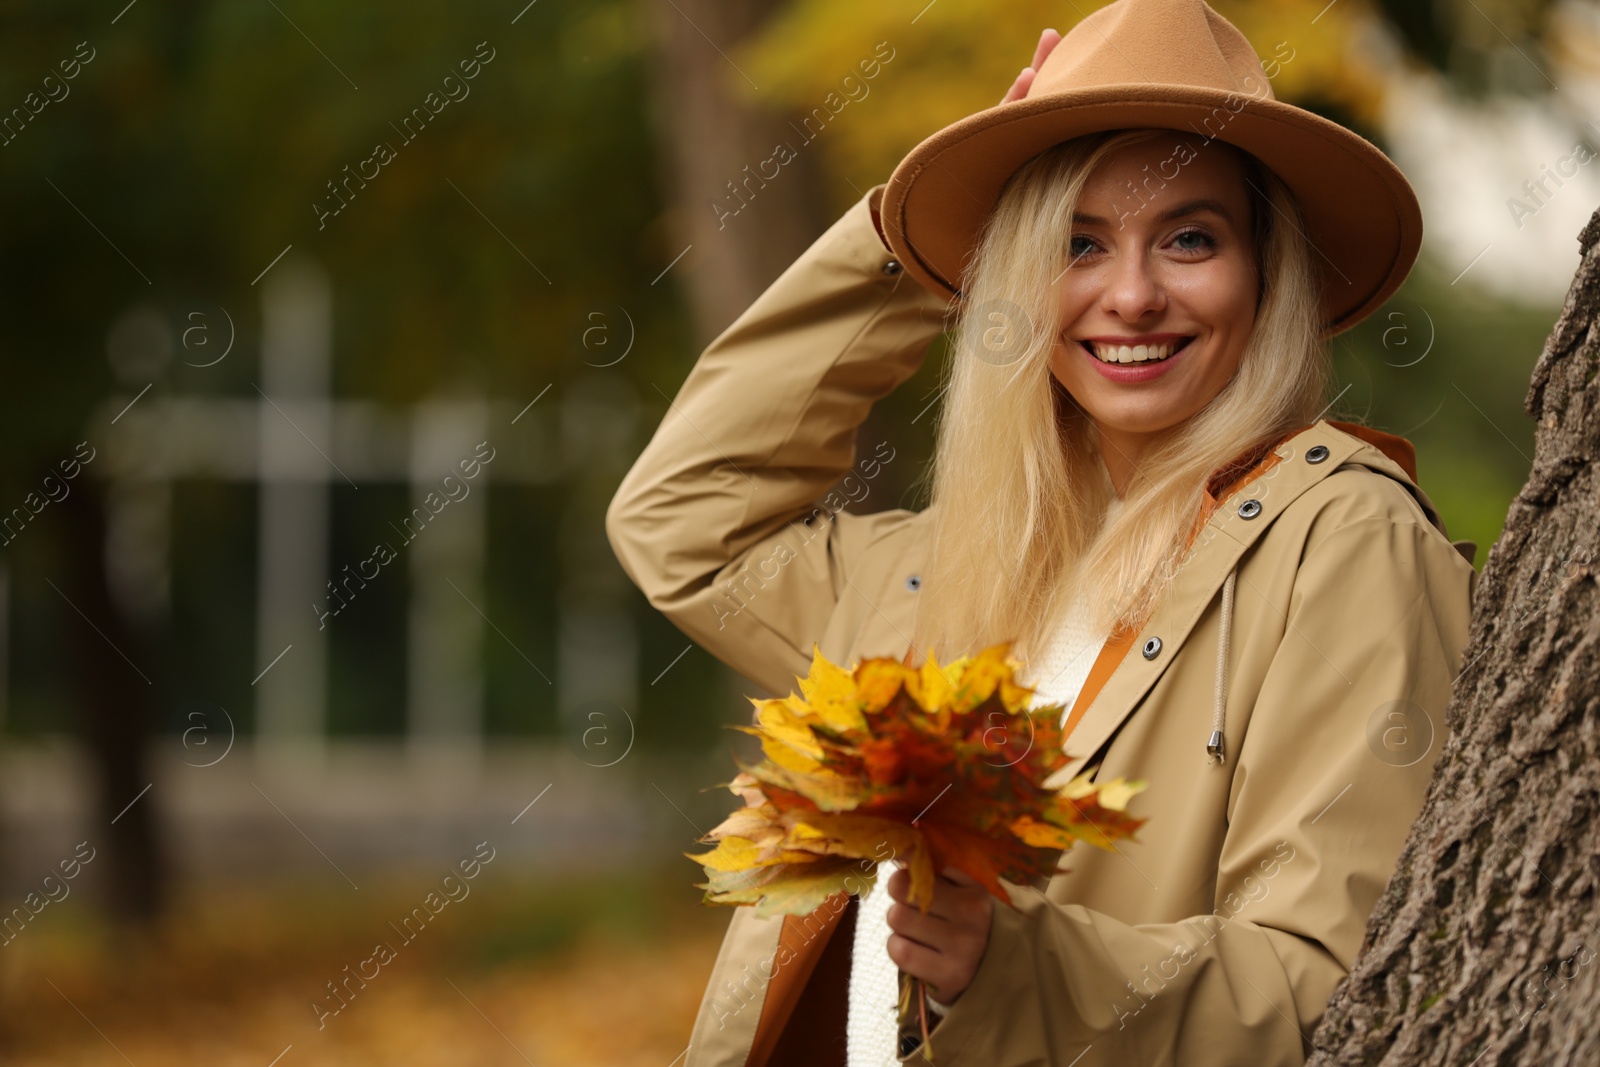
(1214,746)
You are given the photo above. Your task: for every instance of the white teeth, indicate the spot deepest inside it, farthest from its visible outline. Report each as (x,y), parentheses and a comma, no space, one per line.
(1131,354)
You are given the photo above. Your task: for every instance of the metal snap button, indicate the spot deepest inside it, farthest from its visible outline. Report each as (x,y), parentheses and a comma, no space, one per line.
(892,267)
(1249,509)
(914,582)
(1152,648)
(1316,453)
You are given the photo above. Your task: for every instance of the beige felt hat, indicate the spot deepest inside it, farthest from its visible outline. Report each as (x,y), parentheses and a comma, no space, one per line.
(1173,64)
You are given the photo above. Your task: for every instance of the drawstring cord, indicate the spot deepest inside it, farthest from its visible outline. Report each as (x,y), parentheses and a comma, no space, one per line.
(1214,747)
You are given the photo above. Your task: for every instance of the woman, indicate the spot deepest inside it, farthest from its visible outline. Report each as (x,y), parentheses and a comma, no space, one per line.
(1254,609)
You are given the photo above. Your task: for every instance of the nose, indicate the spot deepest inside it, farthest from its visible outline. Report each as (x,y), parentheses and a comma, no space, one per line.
(1132,288)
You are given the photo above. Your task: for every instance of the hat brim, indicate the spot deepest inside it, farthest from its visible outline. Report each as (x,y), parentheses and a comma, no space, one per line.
(1361,215)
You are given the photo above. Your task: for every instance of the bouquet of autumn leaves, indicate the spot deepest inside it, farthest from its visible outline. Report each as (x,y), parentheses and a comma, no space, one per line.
(945,765)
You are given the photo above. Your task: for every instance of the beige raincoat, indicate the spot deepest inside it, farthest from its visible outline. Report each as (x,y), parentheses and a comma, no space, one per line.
(1218,937)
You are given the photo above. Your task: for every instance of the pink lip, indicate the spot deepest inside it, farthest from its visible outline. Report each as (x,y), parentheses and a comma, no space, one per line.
(1130,373)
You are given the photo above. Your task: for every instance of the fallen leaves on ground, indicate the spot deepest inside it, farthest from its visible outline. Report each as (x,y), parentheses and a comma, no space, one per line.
(523,974)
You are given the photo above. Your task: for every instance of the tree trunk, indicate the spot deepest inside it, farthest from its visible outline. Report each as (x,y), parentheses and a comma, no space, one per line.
(741,228)
(1484,949)
(117,702)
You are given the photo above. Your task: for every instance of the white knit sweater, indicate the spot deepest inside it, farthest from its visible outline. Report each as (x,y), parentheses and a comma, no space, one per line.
(1056,675)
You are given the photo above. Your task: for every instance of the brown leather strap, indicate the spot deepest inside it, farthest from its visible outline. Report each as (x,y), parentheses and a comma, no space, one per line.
(806,937)
(816,1033)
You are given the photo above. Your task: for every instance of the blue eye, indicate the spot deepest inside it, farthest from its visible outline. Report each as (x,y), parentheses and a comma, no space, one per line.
(1207,241)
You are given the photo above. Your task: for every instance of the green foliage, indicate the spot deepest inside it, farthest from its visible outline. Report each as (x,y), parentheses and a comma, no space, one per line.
(197,142)
(959,57)
(1449,369)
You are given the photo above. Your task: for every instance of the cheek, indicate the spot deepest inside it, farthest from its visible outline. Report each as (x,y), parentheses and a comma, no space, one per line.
(1073,299)
(1065,359)
(1232,299)
(1233,328)
(1222,296)
(1072,370)
(1225,304)
(1068,368)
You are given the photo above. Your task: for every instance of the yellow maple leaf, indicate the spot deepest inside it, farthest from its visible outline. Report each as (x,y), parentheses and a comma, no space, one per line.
(783,755)
(1040,834)
(830,692)
(1080,786)
(852,834)
(779,721)
(731,854)
(877,681)
(981,677)
(1116,793)
(931,685)
(1014,696)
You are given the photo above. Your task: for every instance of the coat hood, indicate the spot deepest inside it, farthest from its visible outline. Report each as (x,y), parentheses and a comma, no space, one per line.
(1389,454)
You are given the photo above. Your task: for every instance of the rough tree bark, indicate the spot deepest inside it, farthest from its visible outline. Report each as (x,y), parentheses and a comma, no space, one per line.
(1484,949)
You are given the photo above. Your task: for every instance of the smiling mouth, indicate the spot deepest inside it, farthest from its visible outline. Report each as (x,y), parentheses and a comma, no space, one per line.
(1134,353)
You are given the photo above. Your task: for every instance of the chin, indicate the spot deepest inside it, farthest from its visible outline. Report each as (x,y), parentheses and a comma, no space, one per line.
(1138,426)
(1138,420)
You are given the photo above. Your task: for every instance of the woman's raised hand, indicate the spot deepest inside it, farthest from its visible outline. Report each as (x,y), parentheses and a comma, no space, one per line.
(1019,88)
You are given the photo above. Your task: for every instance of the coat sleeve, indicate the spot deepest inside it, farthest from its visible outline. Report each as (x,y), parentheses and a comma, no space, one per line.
(725,521)
(1332,770)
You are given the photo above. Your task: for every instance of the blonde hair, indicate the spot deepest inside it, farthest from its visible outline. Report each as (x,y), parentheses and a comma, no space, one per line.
(1019,493)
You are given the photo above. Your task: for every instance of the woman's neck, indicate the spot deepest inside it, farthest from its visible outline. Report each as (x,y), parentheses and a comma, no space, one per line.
(1120,453)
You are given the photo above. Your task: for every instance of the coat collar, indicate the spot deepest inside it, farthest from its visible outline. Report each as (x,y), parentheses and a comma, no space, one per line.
(1272,477)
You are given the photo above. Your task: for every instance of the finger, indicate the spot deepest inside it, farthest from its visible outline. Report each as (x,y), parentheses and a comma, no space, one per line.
(1019,88)
(939,904)
(962,913)
(958,876)
(1047,41)
(919,961)
(930,930)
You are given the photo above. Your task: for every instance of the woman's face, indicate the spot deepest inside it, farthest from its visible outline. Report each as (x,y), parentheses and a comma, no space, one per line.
(1170,273)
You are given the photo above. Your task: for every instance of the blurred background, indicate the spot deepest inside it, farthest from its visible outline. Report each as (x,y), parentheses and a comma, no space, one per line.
(329,331)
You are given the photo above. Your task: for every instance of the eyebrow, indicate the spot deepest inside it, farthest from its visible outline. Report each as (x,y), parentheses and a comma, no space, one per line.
(1191,207)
